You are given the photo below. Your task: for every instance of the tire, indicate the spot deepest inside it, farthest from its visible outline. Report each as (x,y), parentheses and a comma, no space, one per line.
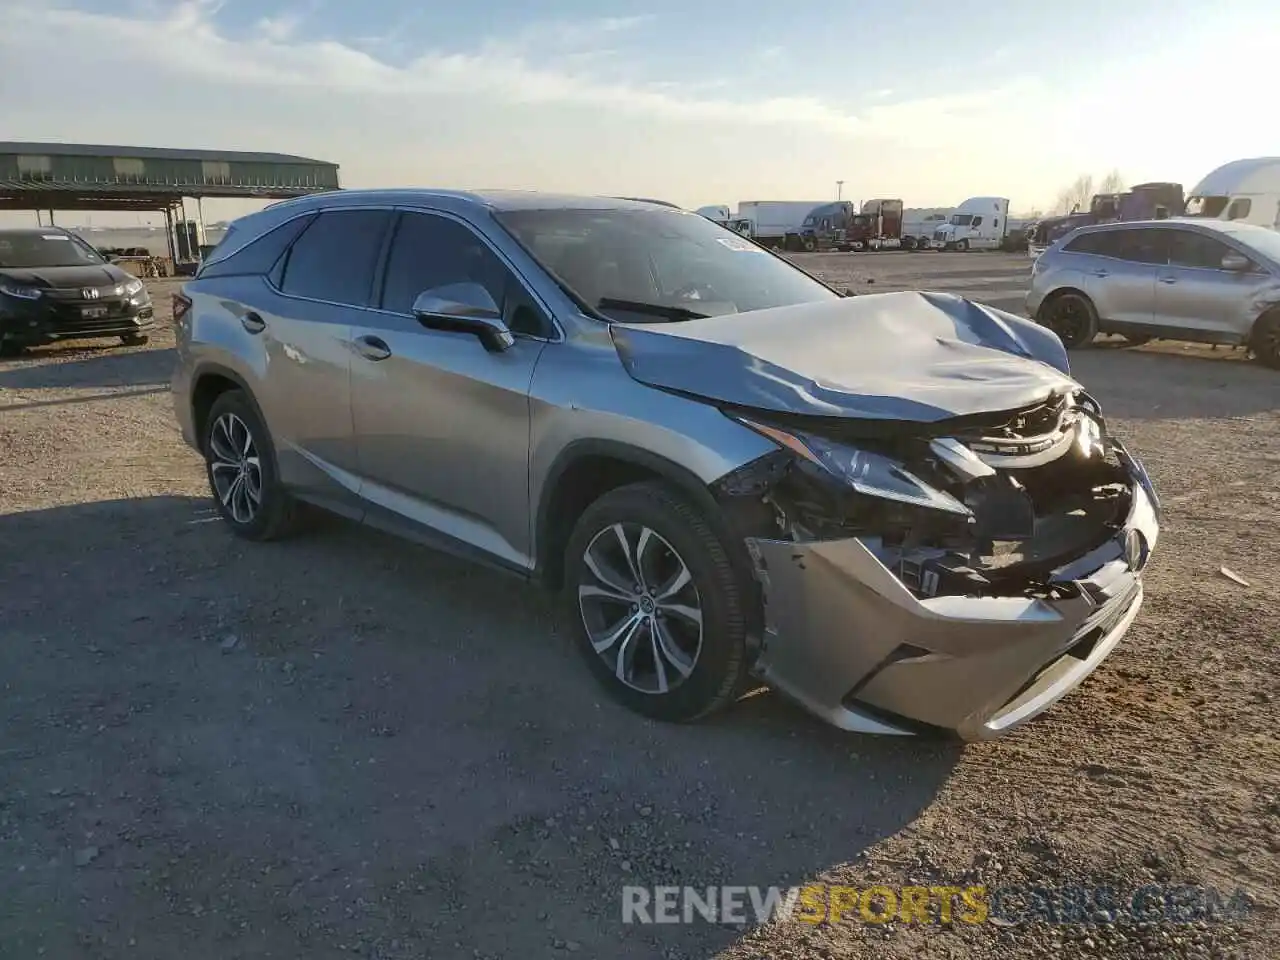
(810,244)
(908,243)
(1072,317)
(962,246)
(135,339)
(1265,341)
(275,514)
(10,349)
(710,665)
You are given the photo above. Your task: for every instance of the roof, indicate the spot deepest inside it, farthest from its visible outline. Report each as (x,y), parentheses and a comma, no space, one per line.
(21,148)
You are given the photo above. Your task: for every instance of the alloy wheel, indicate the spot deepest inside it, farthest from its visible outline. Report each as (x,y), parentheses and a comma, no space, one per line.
(235,468)
(640,607)
(1067,318)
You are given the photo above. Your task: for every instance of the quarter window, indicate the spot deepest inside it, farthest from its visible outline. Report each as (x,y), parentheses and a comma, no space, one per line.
(334,259)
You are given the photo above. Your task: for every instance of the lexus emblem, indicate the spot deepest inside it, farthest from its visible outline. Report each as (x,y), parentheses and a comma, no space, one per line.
(89,293)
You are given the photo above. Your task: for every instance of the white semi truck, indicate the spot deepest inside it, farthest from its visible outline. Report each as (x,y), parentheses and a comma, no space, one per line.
(980,223)
(777,223)
(1244,190)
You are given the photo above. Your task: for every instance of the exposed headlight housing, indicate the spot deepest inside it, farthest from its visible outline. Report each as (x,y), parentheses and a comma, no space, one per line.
(20,292)
(133,287)
(866,472)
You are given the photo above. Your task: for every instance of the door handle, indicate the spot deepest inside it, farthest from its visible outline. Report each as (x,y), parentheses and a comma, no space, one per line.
(372,348)
(1102,273)
(1168,279)
(252,322)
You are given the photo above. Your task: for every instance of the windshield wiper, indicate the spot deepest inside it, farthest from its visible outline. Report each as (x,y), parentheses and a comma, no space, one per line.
(655,309)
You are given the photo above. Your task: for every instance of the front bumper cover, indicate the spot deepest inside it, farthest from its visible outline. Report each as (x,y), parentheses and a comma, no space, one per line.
(846,639)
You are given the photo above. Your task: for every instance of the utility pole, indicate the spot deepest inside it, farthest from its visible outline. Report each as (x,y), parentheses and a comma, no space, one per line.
(839,189)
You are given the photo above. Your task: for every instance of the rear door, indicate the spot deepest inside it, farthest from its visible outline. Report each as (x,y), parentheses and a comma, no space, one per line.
(442,424)
(1194,293)
(1120,275)
(324,283)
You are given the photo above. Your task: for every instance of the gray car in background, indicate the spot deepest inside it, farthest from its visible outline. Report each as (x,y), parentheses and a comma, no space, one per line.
(1203,280)
(899,509)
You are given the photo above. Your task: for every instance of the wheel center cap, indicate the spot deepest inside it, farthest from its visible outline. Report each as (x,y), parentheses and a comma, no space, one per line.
(646,604)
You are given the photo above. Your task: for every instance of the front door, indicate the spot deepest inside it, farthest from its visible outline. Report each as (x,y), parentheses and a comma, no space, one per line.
(441,423)
(1120,275)
(1194,293)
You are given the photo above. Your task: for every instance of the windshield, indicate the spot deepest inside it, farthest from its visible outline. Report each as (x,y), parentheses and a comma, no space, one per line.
(1206,206)
(659,265)
(30,249)
(962,219)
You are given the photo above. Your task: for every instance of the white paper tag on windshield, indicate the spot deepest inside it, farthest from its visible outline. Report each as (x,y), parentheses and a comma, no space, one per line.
(54,236)
(736,243)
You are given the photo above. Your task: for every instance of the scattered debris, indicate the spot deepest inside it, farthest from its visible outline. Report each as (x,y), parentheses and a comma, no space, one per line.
(229,643)
(86,856)
(1232,575)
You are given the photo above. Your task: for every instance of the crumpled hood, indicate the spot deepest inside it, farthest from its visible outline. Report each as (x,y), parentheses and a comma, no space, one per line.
(63,278)
(923,357)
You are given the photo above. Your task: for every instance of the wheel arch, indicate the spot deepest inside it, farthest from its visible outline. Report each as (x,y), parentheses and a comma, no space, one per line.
(586,470)
(209,382)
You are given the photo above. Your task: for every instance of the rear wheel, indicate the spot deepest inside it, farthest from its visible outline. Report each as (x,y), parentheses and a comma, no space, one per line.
(10,348)
(1072,317)
(240,463)
(1266,339)
(657,609)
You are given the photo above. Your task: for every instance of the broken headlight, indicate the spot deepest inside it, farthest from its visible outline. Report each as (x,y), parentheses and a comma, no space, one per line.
(867,472)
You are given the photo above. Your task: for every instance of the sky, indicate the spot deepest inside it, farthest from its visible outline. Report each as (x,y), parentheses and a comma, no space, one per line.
(697,103)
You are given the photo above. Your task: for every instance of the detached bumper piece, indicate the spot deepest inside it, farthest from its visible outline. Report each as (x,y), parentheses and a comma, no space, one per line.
(846,638)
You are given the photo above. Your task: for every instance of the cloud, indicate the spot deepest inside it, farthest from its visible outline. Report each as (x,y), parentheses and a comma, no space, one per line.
(186,42)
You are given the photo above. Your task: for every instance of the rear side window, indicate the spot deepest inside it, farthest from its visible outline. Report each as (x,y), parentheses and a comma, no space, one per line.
(1106,244)
(1143,246)
(256,258)
(334,259)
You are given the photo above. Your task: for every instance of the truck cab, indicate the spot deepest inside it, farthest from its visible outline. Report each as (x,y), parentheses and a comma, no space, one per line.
(825,227)
(1244,190)
(980,223)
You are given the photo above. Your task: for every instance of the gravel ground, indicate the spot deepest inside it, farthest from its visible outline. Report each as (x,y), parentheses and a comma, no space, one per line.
(345,745)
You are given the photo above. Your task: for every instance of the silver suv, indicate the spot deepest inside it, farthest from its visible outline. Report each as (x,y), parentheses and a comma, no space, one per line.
(1203,280)
(899,509)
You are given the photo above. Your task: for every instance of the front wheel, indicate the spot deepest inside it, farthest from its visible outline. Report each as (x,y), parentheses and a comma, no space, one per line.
(657,609)
(1072,317)
(240,464)
(962,246)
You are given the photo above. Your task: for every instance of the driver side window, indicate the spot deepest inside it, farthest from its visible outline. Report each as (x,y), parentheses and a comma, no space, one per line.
(431,251)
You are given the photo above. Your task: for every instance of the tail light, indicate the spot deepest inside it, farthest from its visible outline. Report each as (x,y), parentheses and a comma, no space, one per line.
(181,307)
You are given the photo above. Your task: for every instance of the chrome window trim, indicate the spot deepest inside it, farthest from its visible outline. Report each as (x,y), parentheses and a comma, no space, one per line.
(430,211)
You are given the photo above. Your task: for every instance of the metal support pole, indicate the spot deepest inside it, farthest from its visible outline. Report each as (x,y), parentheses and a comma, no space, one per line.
(200,239)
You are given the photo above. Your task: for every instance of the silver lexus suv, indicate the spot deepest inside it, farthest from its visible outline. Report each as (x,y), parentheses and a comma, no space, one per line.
(898,509)
(1210,281)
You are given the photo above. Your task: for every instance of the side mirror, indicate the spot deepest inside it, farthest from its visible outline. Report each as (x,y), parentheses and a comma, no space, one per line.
(1235,262)
(465,307)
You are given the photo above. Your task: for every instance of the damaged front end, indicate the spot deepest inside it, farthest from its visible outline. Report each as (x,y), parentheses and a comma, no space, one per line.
(960,575)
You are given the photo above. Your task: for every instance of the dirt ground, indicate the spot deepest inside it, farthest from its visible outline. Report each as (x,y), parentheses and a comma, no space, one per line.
(343,745)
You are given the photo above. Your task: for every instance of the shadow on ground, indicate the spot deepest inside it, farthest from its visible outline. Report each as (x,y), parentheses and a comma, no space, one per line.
(1209,384)
(109,367)
(345,743)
